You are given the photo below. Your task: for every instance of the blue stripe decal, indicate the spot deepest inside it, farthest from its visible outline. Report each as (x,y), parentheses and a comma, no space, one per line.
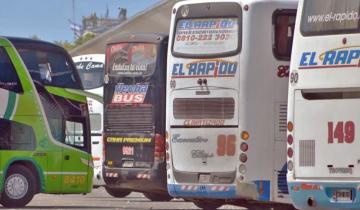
(203,191)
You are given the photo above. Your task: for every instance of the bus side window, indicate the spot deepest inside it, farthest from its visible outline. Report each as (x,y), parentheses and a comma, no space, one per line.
(16,136)
(9,79)
(284,24)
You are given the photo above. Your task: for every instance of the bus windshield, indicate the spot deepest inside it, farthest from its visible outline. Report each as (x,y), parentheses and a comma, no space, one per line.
(326,17)
(195,37)
(91,74)
(132,59)
(48,65)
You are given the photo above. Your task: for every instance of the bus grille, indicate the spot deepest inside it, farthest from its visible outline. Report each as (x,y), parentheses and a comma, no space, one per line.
(129,119)
(307,153)
(204,108)
(282,118)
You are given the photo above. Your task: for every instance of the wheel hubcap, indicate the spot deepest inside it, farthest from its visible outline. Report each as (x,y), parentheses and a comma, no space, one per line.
(16,186)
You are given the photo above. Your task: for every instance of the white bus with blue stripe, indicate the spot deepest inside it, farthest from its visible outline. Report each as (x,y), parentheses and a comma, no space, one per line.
(324,98)
(227,80)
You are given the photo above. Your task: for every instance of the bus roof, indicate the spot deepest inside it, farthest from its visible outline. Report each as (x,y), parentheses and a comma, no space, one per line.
(30,41)
(140,37)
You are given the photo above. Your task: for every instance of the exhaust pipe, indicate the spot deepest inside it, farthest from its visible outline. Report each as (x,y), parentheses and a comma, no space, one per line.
(311,202)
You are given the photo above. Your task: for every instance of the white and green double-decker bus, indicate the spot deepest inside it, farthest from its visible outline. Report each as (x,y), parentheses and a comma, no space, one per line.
(44,123)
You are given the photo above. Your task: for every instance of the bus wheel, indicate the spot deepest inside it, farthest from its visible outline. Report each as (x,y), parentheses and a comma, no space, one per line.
(158,196)
(117,193)
(208,204)
(19,187)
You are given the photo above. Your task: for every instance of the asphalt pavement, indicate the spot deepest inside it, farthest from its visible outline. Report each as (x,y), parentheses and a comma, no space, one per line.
(99,199)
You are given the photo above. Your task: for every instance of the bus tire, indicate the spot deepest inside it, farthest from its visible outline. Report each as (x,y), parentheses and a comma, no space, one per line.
(117,193)
(208,204)
(19,187)
(158,196)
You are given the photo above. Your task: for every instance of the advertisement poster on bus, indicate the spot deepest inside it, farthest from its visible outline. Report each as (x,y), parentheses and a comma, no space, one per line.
(132,59)
(206,36)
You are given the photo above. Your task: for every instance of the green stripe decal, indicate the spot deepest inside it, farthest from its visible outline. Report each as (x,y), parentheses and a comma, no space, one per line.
(10,106)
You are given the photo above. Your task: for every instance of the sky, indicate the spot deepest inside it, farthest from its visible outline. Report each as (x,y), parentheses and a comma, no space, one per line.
(49,19)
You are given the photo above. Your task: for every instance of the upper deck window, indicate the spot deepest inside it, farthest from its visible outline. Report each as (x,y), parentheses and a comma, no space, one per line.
(326,17)
(202,37)
(284,24)
(131,59)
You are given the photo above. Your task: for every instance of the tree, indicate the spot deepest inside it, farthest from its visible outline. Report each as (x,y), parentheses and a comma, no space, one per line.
(35,37)
(79,41)
(65,44)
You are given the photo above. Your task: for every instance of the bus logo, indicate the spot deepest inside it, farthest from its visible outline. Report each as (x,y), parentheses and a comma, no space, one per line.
(129,94)
(345,57)
(205,68)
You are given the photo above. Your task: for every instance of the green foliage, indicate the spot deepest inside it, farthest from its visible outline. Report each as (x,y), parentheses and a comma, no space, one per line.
(35,37)
(79,41)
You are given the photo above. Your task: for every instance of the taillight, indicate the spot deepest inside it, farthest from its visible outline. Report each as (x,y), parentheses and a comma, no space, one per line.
(159,147)
(243,157)
(290,152)
(290,126)
(244,147)
(290,165)
(290,139)
(245,135)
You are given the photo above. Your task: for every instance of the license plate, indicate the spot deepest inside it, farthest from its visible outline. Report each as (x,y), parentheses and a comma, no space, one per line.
(128,164)
(204,178)
(342,195)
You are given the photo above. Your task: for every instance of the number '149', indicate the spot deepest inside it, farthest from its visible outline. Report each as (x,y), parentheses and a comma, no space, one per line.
(344,132)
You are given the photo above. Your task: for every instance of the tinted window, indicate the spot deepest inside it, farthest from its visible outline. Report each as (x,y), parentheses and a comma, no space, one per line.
(284,23)
(322,17)
(132,59)
(91,74)
(206,36)
(8,76)
(49,66)
(16,136)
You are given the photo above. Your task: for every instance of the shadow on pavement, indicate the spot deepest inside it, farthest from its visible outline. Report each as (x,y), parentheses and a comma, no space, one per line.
(64,207)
